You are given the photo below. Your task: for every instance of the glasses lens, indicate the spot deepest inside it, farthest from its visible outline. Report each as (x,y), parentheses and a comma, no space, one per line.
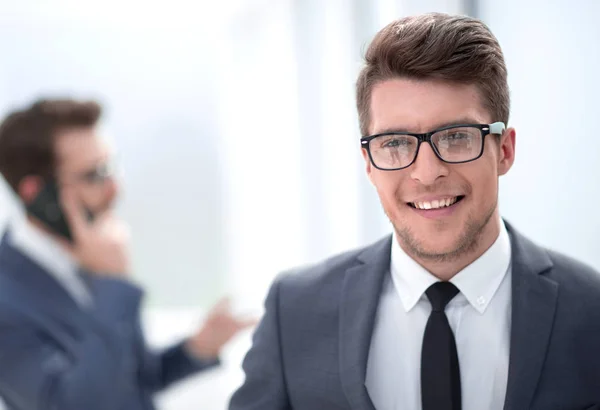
(458,144)
(99,174)
(393,151)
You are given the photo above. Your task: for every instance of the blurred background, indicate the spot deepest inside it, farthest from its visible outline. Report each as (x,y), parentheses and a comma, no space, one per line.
(235,126)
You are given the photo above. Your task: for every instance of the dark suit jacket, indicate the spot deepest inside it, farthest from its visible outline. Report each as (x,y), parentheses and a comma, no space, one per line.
(311,349)
(55,355)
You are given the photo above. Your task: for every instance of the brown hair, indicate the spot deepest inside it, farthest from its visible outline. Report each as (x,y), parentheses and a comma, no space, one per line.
(457,49)
(27,136)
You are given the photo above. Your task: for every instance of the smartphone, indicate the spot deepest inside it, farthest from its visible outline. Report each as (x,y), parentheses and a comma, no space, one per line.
(47,209)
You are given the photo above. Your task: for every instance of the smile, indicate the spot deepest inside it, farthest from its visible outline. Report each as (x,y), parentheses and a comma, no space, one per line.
(437,203)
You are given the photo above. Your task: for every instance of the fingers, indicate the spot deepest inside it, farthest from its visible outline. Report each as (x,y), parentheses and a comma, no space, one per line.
(74,212)
(106,224)
(222,306)
(221,316)
(246,323)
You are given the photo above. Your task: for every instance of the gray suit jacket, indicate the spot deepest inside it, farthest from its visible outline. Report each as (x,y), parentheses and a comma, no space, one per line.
(311,348)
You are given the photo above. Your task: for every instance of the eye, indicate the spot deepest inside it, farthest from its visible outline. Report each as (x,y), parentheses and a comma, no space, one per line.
(396,142)
(455,136)
(97,175)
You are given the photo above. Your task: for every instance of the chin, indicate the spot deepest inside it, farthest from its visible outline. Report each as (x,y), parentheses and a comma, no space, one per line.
(435,248)
(432,239)
(444,241)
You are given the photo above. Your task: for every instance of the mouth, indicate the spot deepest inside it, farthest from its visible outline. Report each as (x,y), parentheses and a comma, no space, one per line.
(437,203)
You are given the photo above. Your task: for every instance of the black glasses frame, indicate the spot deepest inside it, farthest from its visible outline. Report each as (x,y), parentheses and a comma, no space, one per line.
(486,129)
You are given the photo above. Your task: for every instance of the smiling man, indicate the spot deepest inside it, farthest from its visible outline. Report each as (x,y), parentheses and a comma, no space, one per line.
(456,309)
(443,205)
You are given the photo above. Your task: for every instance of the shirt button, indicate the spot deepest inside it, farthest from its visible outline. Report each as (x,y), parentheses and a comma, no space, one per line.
(481,301)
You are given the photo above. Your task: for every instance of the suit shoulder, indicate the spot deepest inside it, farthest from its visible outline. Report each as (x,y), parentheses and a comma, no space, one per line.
(575,275)
(327,271)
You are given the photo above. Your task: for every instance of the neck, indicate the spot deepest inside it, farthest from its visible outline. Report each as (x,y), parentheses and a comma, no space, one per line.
(446,267)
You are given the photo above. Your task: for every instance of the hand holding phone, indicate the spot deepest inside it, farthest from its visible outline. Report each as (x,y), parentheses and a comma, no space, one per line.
(47,209)
(100,245)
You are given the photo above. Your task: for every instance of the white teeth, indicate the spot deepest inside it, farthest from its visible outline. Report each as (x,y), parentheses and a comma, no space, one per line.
(435,204)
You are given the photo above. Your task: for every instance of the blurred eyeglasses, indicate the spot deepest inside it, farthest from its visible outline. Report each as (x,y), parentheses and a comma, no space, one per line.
(454,145)
(100,173)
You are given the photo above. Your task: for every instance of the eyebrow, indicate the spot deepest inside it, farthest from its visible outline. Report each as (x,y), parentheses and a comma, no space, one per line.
(464,120)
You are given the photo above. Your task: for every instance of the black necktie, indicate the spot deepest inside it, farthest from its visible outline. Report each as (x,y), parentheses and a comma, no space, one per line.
(440,373)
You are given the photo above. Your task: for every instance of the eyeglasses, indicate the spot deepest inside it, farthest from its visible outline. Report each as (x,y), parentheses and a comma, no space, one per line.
(99,174)
(454,145)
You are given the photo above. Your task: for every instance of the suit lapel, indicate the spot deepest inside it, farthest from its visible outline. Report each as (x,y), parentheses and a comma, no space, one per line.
(533,308)
(534,298)
(360,298)
(38,291)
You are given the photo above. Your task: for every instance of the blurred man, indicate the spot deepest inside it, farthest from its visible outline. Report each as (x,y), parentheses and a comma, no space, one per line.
(456,309)
(70,334)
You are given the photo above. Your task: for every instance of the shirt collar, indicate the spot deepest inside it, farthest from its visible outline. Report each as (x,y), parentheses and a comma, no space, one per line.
(42,248)
(478,282)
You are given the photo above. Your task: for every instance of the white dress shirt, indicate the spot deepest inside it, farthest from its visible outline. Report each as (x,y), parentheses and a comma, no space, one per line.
(54,259)
(479,317)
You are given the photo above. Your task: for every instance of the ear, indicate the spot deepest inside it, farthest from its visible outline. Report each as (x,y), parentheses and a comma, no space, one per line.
(368,164)
(29,187)
(506,156)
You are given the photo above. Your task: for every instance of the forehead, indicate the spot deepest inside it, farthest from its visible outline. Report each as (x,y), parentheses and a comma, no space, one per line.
(80,148)
(423,105)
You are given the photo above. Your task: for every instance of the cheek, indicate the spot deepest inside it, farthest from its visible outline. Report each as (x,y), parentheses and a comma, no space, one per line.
(491,190)
(91,195)
(389,189)
(484,185)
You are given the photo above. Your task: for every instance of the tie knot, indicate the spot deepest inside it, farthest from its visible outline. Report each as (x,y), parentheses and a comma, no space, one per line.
(439,294)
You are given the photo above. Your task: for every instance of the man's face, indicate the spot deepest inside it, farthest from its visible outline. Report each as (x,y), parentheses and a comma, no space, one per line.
(420,107)
(82,161)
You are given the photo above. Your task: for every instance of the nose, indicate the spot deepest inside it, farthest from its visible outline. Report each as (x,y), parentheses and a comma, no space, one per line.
(427,167)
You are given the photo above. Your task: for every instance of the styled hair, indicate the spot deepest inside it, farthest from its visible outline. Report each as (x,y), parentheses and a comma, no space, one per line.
(457,49)
(27,136)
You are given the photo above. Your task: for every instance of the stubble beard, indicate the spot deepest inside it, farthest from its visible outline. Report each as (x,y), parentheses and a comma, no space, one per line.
(467,243)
